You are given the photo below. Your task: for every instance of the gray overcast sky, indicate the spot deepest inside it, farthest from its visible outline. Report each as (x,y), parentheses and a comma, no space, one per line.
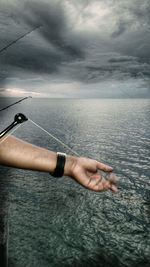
(78,48)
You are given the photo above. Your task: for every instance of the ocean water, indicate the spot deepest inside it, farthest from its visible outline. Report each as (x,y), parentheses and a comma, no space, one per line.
(56,222)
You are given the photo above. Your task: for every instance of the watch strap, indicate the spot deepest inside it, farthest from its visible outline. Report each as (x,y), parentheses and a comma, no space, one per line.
(60,164)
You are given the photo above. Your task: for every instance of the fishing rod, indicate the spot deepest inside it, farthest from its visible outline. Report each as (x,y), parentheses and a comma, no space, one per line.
(18,119)
(17,102)
(21,118)
(18,39)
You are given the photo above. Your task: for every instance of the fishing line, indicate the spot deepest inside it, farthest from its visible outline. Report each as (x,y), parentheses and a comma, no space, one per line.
(21,118)
(55,138)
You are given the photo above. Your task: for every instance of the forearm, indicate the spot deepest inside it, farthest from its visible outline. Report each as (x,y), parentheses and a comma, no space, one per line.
(19,154)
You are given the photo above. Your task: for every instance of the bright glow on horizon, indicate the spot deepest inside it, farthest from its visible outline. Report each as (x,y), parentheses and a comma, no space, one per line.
(104,89)
(18,92)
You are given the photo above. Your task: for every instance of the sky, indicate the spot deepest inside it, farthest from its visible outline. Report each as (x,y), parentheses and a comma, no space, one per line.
(75,48)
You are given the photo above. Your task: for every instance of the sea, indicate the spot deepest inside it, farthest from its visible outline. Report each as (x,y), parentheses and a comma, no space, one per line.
(51,222)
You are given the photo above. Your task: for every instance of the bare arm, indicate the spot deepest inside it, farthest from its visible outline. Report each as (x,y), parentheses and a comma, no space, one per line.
(19,154)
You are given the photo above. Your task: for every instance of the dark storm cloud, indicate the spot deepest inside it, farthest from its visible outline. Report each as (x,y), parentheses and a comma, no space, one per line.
(59,47)
(120,59)
(122,27)
(132,34)
(54,26)
(141,11)
(32,58)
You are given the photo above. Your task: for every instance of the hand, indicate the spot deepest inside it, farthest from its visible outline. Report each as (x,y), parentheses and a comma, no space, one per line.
(85,171)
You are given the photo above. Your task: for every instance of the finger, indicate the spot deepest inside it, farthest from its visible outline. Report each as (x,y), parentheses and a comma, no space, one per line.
(104,167)
(101,184)
(114,188)
(98,183)
(113,178)
(106,185)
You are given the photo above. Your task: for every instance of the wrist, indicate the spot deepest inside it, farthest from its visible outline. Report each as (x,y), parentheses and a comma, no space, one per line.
(69,165)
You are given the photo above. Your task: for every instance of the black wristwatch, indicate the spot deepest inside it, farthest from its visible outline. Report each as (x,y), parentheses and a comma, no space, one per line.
(59,170)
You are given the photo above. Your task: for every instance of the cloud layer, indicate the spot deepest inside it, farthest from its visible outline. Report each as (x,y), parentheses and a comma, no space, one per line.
(73,41)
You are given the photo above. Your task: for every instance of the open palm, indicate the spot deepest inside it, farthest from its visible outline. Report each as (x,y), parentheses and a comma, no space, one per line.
(86,172)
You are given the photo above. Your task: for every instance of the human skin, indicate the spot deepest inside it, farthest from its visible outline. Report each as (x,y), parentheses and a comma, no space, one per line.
(17,153)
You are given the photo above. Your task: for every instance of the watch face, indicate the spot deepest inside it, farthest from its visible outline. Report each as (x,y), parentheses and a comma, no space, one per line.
(61,153)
